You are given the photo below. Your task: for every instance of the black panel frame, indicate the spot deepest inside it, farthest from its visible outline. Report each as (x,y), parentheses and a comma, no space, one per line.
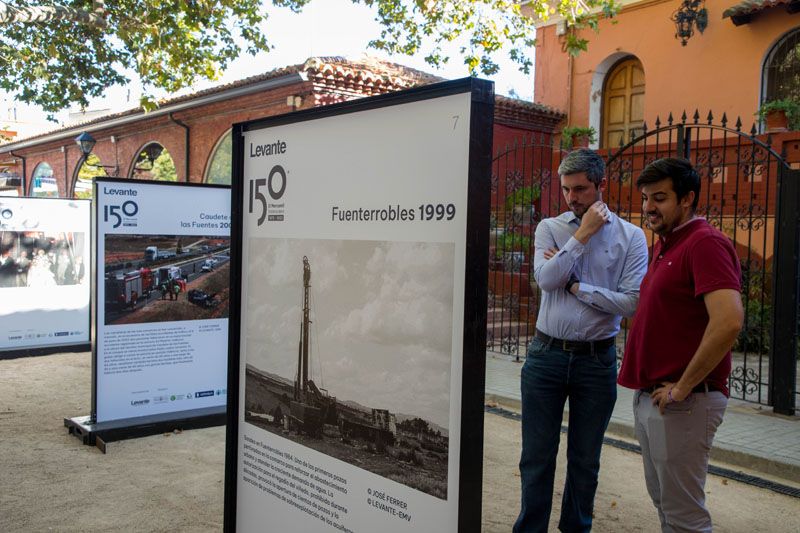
(139,426)
(476,281)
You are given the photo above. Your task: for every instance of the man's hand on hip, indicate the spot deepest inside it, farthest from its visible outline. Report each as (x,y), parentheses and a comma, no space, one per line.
(667,393)
(592,221)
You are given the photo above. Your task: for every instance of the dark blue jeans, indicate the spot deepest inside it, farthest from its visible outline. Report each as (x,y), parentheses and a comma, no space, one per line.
(550,375)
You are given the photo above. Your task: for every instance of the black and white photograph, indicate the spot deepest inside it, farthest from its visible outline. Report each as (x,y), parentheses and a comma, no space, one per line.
(159,278)
(42,258)
(349,352)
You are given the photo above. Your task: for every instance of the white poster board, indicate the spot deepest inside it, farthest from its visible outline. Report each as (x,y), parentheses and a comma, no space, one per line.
(163,262)
(354,237)
(44,273)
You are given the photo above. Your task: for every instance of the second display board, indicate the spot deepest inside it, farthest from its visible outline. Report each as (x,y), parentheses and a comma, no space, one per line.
(161,317)
(357,258)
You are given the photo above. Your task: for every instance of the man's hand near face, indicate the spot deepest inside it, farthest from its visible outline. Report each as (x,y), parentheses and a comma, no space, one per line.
(592,221)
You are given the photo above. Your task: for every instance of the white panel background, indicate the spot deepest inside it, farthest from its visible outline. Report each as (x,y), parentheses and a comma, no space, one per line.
(38,313)
(161,210)
(409,154)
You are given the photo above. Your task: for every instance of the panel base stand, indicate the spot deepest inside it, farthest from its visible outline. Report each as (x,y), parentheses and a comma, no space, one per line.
(45,350)
(100,433)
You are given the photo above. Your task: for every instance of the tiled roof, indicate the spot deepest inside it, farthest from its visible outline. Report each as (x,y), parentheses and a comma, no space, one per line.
(521,112)
(372,76)
(334,79)
(167,102)
(744,11)
(365,73)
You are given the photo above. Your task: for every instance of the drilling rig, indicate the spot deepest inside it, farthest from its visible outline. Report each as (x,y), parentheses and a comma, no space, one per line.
(311,407)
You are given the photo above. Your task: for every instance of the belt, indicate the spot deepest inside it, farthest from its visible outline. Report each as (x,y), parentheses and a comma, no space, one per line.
(575,346)
(703,387)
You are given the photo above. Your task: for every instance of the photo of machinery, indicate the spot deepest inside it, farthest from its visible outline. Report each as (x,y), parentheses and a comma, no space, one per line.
(157,278)
(365,414)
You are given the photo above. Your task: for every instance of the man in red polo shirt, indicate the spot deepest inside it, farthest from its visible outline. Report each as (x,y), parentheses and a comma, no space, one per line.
(678,355)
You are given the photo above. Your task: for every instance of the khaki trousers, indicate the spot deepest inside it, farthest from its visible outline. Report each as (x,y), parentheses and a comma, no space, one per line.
(675,449)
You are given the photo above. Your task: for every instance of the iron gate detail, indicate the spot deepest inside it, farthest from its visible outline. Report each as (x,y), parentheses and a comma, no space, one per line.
(742,176)
(521,176)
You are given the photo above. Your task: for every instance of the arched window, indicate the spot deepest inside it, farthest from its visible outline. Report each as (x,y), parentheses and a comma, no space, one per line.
(623,103)
(782,69)
(43,183)
(10,182)
(219,169)
(90,169)
(154,163)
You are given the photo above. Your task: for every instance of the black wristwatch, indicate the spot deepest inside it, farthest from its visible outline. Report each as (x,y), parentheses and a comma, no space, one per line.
(572,281)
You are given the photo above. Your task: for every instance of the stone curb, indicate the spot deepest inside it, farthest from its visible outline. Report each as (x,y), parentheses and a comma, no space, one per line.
(772,467)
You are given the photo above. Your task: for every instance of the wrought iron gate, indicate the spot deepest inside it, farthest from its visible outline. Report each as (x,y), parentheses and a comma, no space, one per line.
(748,192)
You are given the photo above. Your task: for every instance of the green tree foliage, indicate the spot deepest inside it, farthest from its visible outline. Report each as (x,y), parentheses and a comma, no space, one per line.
(488,26)
(89,170)
(58,54)
(62,57)
(164,167)
(220,169)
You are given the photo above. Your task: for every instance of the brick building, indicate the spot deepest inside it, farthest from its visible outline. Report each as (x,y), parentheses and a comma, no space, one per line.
(188,138)
(640,66)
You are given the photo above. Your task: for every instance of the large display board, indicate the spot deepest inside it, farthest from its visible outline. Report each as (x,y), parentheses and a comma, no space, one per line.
(161,320)
(360,247)
(44,279)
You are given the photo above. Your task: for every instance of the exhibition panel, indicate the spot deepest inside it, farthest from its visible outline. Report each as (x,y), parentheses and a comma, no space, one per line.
(359,256)
(44,278)
(160,309)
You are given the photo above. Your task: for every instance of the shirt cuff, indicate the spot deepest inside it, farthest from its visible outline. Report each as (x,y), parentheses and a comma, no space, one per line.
(574,247)
(585,294)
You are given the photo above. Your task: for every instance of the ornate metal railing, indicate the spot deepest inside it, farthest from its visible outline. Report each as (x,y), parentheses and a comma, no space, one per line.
(741,173)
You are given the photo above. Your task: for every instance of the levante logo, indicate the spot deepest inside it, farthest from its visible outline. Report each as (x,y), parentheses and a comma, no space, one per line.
(121,214)
(272,209)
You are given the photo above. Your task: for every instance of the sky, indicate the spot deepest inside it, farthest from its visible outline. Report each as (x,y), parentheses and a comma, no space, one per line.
(324,28)
(338,27)
(382,319)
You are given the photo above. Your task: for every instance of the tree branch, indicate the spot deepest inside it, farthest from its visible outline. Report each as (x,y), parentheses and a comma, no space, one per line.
(10,14)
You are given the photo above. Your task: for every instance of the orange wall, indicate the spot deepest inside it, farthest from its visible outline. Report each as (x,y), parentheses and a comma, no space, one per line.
(719,70)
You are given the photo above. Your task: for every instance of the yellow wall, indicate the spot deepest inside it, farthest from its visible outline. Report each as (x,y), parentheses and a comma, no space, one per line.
(719,70)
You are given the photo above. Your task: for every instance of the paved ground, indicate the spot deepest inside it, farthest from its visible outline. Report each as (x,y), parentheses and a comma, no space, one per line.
(174,482)
(751,436)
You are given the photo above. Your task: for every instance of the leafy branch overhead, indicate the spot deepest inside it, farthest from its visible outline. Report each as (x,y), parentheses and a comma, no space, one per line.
(58,54)
(488,26)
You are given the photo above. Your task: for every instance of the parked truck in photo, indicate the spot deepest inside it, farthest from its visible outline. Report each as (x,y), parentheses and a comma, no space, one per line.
(125,289)
(171,274)
(148,281)
(152,253)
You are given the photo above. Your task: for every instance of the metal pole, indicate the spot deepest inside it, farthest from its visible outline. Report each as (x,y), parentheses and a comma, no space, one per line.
(783,348)
(306,286)
(679,148)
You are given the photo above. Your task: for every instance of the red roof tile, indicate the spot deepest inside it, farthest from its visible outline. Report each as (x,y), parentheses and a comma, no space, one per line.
(337,79)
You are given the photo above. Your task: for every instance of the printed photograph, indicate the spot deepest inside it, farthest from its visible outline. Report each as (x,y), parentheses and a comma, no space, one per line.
(164,278)
(42,259)
(349,349)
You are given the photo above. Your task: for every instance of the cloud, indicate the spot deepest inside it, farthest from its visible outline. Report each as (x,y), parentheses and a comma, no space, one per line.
(408,291)
(381,312)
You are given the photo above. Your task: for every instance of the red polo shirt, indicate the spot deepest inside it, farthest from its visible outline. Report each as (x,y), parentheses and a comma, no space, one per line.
(671,317)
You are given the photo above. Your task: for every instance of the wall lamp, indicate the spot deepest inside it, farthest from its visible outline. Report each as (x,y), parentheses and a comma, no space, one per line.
(86,144)
(692,14)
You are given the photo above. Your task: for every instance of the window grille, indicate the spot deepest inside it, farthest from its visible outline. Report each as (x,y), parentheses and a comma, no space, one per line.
(782,69)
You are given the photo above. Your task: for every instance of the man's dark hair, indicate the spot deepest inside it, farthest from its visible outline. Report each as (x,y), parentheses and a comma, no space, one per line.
(583,160)
(680,171)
